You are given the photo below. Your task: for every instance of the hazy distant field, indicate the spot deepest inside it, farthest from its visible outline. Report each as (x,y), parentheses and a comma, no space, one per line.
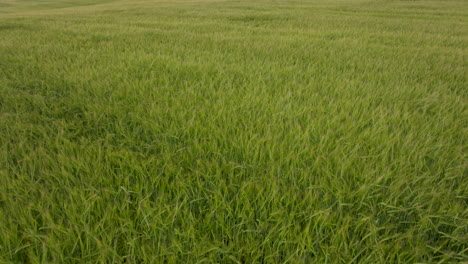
(233,131)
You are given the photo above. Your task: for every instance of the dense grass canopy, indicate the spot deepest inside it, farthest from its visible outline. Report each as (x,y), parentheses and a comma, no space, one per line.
(233,131)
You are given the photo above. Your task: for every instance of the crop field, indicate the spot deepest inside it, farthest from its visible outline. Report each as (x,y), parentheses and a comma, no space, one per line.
(222,131)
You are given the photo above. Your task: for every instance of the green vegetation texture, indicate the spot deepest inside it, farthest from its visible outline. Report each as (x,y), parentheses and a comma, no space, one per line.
(233,131)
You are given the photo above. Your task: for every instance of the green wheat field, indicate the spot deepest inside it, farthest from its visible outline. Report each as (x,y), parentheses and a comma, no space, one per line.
(223,131)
